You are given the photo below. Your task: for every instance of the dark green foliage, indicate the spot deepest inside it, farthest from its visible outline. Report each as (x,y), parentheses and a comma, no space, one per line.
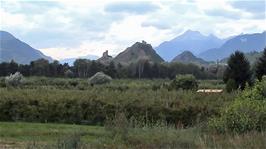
(231,85)
(84,68)
(246,113)
(261,66)
(186,82)
(238,69)
(111,70)
(73,101)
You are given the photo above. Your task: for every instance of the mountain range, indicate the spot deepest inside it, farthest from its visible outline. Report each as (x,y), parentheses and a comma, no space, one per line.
(252,57)
(192,41)
(71,61)
(190,47)
(12,48)
(244,43)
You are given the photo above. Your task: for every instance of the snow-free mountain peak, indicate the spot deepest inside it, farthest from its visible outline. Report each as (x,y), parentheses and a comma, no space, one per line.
(6,36)
(243,42)
(188,57)
(139,50)
(13,49)
(192,41)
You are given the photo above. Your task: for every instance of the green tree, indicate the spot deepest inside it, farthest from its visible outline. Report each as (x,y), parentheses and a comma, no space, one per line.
(13,67)
(54,67)
(4,69)
(81,67)
(147,70)
(40,67)
(261,66)
(155,71)
(111,70)
(238,69)
(231,85)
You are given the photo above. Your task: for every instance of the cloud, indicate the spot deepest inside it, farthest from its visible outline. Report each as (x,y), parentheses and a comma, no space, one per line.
(29,7)
(224,13)
(59,25)
(256,7)
(82,27)
(157,24)
(132,7)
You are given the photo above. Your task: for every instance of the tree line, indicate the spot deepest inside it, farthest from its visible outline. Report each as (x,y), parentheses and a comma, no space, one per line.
(84,68)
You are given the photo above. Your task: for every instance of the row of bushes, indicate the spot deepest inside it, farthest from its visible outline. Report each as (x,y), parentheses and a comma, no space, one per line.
(17,80)
(94,112)
(95,105)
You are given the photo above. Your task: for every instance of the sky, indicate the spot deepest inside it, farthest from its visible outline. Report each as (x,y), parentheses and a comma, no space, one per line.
(73,28)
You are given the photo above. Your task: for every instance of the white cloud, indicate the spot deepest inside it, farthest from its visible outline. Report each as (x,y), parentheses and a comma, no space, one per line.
(67,28)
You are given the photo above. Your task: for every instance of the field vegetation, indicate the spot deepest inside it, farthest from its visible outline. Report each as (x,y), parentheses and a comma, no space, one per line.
(71,112)
(122,114)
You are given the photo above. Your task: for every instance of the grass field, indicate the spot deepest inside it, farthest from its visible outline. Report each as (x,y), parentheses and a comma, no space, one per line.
(37,135)
(21,134)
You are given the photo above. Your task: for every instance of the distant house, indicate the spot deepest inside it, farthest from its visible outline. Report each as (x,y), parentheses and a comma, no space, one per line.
(209,91)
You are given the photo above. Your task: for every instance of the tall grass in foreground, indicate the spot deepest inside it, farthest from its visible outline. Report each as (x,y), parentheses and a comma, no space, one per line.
(159,136)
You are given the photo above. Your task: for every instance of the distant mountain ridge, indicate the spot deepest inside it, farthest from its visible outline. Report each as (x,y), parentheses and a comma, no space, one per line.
(192,41)
(244,43)
(188,57)
(139,50)
(71,61)
(251,56)
(13,49)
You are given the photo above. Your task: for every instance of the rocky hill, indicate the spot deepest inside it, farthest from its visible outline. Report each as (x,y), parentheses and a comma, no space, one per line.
(105,59)
(188,57)
(139,50)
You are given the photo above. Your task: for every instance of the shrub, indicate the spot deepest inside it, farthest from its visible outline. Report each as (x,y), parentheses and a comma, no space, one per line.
(246,113)
(231,85)
(14,80)
(185,82)
(258,92)
(99,78)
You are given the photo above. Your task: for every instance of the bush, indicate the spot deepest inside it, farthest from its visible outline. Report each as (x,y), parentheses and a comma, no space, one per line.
(185,82)
(14,80)
(258,92)
(99,78)
(246,113)
(231,85)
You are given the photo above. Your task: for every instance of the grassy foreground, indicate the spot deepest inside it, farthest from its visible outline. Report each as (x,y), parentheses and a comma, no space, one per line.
(37,135)
(21,134)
